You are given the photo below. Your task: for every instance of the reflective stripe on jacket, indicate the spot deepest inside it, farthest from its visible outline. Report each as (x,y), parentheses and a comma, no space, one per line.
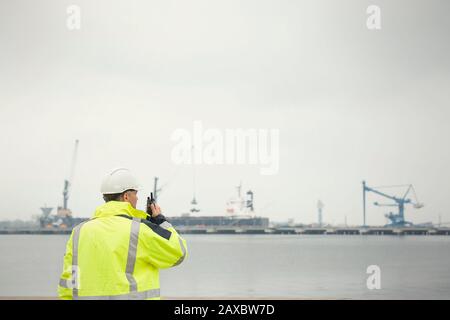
(118,254)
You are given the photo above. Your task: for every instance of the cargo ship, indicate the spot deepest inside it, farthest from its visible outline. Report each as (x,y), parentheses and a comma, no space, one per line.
(239,214)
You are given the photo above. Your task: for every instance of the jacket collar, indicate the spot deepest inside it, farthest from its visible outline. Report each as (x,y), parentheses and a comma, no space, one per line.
(114,208)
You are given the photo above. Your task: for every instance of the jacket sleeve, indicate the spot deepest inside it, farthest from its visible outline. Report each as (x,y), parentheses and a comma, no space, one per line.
(165,247)
(64,287)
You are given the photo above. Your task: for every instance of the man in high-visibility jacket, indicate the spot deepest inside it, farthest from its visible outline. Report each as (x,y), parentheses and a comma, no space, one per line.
(118,253)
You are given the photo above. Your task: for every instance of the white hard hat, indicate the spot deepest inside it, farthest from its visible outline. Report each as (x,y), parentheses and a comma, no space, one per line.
(118,181)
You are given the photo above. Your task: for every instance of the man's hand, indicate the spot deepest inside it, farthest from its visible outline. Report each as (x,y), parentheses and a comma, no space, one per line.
(155,210)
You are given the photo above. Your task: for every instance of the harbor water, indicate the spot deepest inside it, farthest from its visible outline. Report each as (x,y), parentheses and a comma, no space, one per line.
(260,266)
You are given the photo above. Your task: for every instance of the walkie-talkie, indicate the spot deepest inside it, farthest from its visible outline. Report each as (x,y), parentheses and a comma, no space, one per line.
(150,201)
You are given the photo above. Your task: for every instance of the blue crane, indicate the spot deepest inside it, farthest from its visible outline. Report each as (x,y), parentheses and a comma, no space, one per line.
(396,220)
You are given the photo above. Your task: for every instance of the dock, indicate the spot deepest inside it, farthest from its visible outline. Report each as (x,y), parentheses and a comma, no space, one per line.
(375,231)
(369,231)
(221,230)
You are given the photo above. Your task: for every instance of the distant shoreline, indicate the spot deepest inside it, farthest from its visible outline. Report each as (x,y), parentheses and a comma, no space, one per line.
(350,231)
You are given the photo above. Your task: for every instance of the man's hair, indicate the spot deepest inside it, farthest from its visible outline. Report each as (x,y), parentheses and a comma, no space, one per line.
(115,196)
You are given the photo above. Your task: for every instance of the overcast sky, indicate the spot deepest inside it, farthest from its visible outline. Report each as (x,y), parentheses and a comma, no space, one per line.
(350,103)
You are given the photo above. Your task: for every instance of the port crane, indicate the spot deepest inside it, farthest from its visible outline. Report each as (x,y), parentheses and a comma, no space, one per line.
(63,217)
(398,219)
(64,210)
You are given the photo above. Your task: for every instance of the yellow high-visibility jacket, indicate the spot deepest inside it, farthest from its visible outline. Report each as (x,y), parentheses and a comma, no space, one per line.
(117,255)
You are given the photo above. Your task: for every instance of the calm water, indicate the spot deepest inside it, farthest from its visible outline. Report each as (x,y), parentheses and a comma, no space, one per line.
(260,266)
